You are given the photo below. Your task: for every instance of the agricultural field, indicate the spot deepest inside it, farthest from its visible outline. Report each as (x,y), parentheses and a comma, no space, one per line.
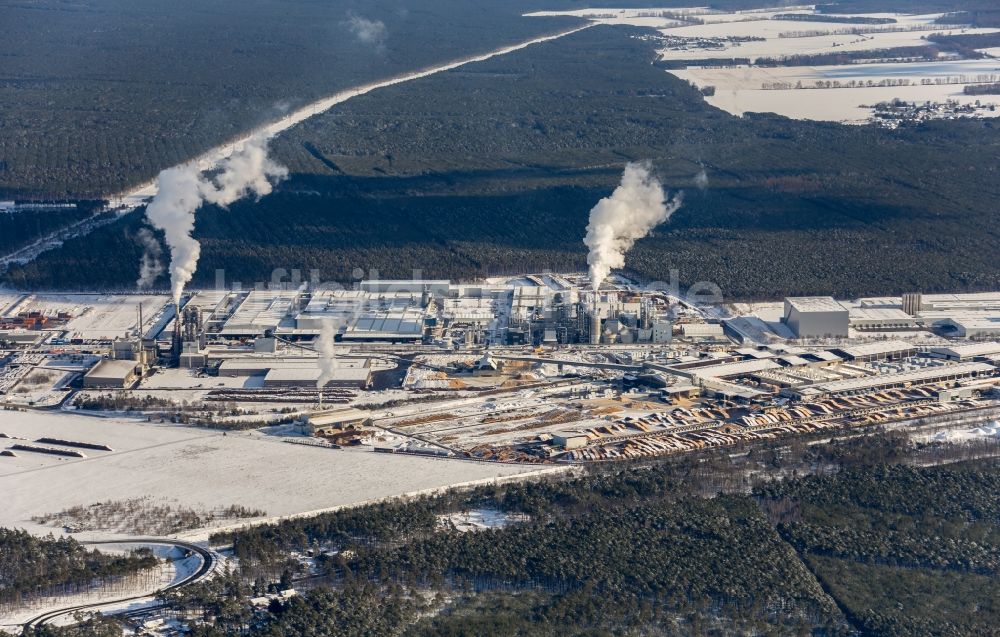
(781,60)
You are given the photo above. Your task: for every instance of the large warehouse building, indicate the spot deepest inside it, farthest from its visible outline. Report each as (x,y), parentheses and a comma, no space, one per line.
(110,374)
(816,317)
(342,378)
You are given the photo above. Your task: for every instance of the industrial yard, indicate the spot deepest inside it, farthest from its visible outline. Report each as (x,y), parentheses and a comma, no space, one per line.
(465,381)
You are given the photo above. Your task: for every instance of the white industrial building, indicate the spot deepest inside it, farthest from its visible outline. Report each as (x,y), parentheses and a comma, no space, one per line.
(973,315)
(878,350)
(111,374)
(975,326)
(907,378)
(881,319)
(342,377)
(816,317)
(966,352)
(354,373)
(702,330)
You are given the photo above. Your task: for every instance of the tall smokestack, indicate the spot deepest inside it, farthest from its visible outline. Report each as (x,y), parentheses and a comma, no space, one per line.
(595,323)
(175,344)
(635,207)
(327,360)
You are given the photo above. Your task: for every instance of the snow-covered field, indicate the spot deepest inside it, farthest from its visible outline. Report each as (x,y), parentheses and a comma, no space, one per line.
(738,90)
(735,95)
(205,469)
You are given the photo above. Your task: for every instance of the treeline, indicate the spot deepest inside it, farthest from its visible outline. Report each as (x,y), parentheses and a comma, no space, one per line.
(835,19)
(964,45)
(987,17)
(982,89)
(838,58)
(143,517)
(20,228)
(221,416)
(33,567)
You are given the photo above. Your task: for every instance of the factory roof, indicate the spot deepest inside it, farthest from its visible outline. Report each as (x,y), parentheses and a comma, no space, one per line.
(977,322)
(793,360)
(825,355)
(751,352)
(119,370)
(784,348)
(402,285)
(923,375)
(968,350)
(251,363)
(309,375)
(701,329)
(877,348)
(815,304)
(733,390)
(260,311)
(971,300)
(879,314)
(727,370)
(881,301)
(337,416)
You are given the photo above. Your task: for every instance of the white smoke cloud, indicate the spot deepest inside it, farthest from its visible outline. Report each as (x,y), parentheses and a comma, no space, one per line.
(635,207)
(248,171)
(151,265)
(701,179)
(368,31)
(183,189)
(327,353)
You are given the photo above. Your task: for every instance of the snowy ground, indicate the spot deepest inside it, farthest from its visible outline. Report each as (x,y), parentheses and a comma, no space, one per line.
(986,430)
(206,469)
(478,520)
(173,568)
(738,89)
(97,316)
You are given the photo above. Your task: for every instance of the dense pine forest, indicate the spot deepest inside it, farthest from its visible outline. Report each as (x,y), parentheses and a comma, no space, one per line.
(32,567)
(871,543)
(492,168)
(869,536)
(98,96)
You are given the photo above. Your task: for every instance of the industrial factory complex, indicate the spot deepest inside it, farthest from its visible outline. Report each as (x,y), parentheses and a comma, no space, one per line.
(531,369)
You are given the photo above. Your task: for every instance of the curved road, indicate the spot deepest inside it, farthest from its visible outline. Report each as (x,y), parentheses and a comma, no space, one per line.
(208,563)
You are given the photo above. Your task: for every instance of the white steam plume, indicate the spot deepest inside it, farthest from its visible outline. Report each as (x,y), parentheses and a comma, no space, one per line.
(701,179)
(182,190)
(151,265)
(635,207)
(327,353)
(368,31)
